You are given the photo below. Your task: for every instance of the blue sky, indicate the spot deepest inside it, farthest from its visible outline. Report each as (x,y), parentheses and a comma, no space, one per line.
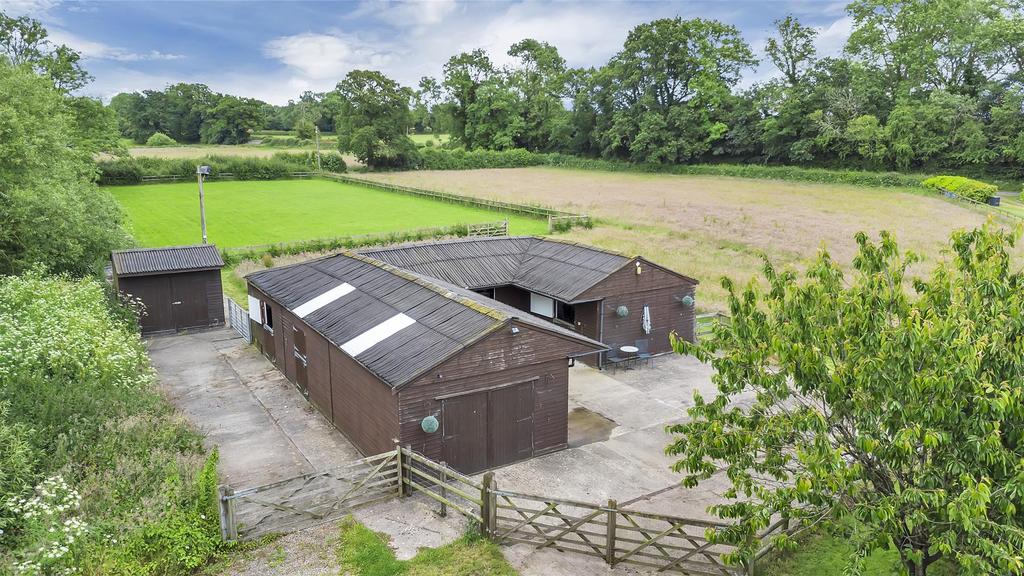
(276,50)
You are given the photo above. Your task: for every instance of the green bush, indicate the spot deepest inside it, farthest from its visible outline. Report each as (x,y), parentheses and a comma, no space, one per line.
(964,187)
(280,165)
(160,139)
(125,486)
(17,469)
(459,159)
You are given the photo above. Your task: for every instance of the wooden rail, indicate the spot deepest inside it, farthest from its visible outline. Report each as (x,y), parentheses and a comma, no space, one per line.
(615,534)
(704,324)
(238,319)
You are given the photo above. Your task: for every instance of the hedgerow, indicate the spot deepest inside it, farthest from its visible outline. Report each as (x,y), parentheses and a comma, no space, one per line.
(160,139)
(459,159)
(104,476)
(279,166)
(964,187)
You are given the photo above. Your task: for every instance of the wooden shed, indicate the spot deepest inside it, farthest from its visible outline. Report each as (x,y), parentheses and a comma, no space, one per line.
(180,286)
(387,354)
(610,297)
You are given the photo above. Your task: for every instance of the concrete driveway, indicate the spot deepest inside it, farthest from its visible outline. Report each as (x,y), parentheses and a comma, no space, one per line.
(617,451)
(264,428)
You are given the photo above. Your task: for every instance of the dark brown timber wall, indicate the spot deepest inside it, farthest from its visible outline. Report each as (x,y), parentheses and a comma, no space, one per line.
(498,360)
(365,409)
(177,301)
(655,287)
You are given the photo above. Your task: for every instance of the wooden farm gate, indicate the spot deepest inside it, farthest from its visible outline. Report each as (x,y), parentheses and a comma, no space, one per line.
(616,534)
(238,318)
(309,499)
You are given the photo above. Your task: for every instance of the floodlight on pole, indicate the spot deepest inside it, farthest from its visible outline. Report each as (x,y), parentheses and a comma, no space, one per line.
(202,172)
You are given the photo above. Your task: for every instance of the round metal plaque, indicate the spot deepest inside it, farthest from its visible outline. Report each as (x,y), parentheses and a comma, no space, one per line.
(622,311)
(429,424)
(687,300)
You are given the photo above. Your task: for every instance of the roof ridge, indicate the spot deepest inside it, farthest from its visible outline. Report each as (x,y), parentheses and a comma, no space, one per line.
(420,280)
(158,248)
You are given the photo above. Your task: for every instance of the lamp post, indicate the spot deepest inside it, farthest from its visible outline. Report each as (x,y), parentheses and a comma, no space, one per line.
(202,172)
(317,133)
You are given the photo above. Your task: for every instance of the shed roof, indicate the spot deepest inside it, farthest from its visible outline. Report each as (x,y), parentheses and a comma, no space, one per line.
(147,261)
(396,323)
(559,269)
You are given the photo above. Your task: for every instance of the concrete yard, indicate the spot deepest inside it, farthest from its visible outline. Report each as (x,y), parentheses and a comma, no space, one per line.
(265,431)
(263,427)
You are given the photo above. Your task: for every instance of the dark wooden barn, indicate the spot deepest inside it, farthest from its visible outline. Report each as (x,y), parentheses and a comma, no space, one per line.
(615,299)
(180,286)
(387,354)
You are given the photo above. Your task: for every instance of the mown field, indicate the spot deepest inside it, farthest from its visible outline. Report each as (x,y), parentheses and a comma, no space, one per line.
(710,227)
(260,212)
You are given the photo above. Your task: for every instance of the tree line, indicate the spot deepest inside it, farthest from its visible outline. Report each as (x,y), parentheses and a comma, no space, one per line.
(920,84)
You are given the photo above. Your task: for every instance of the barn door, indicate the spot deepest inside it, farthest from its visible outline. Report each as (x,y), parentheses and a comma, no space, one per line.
(510,424)
(301,362)
(189,301)
(464,430)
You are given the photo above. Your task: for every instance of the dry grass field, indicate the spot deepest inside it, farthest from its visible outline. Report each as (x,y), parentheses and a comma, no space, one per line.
(709,227)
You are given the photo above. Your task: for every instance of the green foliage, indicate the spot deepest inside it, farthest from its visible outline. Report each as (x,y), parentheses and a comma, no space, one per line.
(124,483)
(24,42)
(52,214)
(160,139)
(363,552)
(279,166)
(459,159)
(966,187)
(17,468)
(901,411)
(373,119)
(232,121)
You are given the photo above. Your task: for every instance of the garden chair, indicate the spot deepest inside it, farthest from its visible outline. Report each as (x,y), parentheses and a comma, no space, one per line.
(643,351)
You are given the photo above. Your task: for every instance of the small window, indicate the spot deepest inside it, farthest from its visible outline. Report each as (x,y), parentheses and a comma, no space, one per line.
(542,305)
(268,317)
(565,312)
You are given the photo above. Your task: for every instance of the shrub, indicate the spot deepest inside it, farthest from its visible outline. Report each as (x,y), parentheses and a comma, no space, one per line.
(280,165)
(160,139)
(459,159)
(17,469)
(119,459)
(964,187)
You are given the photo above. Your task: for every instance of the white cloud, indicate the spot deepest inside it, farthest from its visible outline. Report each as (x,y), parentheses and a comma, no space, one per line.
(327,56)
(91,49)
(407,14)
(832,38)
(34,8)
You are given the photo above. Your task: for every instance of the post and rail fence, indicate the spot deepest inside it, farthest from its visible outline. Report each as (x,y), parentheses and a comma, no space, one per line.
(614,533)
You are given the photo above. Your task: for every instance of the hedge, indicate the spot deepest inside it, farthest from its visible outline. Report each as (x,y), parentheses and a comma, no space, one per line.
(963,187)
(458,159)
(160,139)
(279,166)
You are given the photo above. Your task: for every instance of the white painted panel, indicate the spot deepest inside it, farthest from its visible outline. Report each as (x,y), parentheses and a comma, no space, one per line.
(542,305)
(254,309)
(322,300)
(377,334)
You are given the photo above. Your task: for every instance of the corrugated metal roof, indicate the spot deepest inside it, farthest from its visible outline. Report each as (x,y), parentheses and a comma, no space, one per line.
(446,318)
(561,270)
(143,261)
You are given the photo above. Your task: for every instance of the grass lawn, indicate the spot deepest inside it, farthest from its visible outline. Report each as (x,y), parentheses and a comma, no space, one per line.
(363,552)
(423,138)
(824,554)
(247,213)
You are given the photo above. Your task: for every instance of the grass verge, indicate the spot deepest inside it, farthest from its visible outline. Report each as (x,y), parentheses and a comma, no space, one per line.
(363,552)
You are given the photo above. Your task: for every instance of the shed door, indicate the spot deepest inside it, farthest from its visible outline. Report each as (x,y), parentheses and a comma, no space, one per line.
(511,424)
(189,294)
(301,362)
(489,428)
(464,425)
(155,293)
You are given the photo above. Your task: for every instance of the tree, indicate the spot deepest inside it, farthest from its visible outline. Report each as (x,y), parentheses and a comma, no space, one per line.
(463,75)
(897,411)
(53,215)
(793,51)
(373,120)
(24,42)
(671,78)
(232,121)
(540,80)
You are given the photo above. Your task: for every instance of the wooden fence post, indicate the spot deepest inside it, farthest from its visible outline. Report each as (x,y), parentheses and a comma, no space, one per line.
(485,506)
(444,489)
(228,527)
(398,464)
(609,554)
